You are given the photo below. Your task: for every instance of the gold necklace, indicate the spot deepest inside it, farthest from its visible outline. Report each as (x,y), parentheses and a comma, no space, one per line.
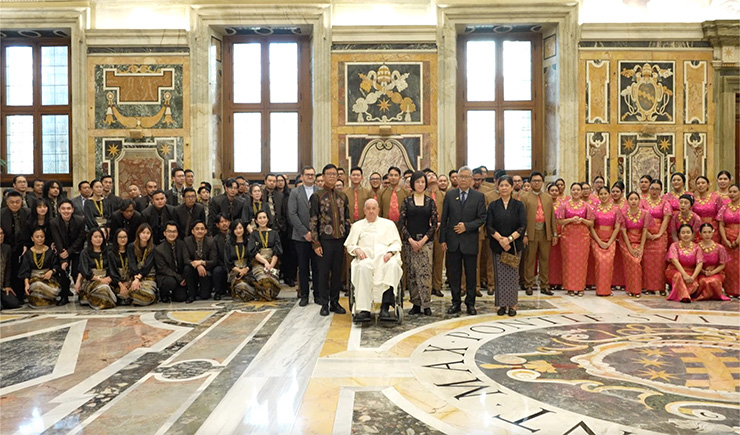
(653,204)
(733,207)
(99,206)
(701,201)
(99,262)
(632,217)
(686,249)
(263,238)
(40,260)
(240,256)
(709,249)
(124,261)
(683,221)
(576,206)
(605,209)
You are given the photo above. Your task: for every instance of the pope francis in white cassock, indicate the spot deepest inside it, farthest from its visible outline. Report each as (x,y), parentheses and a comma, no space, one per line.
(376,268)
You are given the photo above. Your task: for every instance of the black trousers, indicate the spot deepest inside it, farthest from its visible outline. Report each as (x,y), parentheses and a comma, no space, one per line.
(288,261)
(307,258)
(65,279)
(197,285)
(455,262)
(219,280)
(18,284)
(170,288)
(330,271)
(8,302)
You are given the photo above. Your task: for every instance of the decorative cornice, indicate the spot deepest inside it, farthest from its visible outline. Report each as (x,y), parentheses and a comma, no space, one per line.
(641,32)
(383,34)
(722,32)
(136,38)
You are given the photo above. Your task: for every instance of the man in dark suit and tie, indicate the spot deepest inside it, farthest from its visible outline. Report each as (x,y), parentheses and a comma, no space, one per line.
(78,202)
(463,212)
(68,234)
(298,214)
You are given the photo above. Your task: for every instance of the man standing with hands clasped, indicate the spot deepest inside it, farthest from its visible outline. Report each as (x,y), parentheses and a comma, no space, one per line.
(463,212)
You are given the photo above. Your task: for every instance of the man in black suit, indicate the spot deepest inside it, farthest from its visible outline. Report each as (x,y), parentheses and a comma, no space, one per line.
(143,201)
(463,212)
(68,233)
(157,214)
(230,205)
(219,244)
(127,218)
(201,259)
(188,213)
(170,260)
(175,195)
(14,222)
(78,202)
(115,201)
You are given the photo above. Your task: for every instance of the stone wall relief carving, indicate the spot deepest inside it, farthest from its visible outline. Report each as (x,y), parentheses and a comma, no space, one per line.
(695,156)
(382,93)
(646,91)
(597,157)
(695,91)
(640,154)
(597,91)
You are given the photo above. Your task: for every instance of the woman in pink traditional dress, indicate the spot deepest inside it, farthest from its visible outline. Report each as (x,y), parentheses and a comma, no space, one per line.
(685,216)
(556,257)
(576,217)
(635,223)
(686,260)
(723,186)
(729,229)
(712,273)
(653,277)
(604,242)
(617,198)
(645,181)
(706,204)
(678,188)
(561,187)
(588,198)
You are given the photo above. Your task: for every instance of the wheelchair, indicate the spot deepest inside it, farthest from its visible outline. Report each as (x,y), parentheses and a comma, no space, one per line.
(398,305)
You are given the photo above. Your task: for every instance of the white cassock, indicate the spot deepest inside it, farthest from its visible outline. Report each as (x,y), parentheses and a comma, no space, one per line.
(372,276)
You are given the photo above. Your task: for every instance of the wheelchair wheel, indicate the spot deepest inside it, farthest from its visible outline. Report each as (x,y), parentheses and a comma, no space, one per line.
(351,297)
(399,304)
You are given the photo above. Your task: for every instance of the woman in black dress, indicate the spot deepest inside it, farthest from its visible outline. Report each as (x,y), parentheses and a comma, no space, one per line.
(505,223)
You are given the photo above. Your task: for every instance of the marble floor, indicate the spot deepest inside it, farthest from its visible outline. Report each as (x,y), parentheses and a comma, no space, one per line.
(563,365)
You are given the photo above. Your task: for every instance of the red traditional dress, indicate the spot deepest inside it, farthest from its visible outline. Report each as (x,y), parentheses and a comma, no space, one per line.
(731,218)
(725,198)
(618,277)
(710,287)
(576,244)
(556,256)
(653,277)
(634,226)
(672,199)
(707,210)
(591,273)
(604,220)
(689,258)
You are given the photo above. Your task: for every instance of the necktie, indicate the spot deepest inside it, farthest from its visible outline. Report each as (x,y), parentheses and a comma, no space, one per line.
(394,213)
(174,255)
(357,208)
(16,228)
(463,197)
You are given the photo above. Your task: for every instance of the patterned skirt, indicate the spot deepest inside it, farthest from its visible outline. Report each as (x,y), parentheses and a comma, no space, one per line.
(97,295)
(43,293)
(576,248)
(732,270)
(419,273)
(240,288)
(146,294)
(507,282)
(632,265)
(266,284)
(653,265)
(603,261)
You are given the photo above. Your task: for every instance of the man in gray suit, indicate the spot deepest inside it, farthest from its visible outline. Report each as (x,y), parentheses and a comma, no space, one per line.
(463,212)
(298,214)
(79,201)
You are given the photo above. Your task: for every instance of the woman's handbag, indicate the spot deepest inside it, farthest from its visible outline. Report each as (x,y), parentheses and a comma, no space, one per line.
(511,259)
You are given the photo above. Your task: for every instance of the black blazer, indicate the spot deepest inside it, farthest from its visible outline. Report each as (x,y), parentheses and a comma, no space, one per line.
(172,196)
(72,239)
(473,215)
(185,218)
(151,216)
(141,203)
(248,213)
(166,264)
(6,222)
(209,251)
(131,225)
(506,221)
(220,205)
(5,266)
(91,212)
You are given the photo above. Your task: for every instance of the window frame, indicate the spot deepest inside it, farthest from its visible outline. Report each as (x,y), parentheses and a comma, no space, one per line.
(303,106)
(37,109)
(500,105)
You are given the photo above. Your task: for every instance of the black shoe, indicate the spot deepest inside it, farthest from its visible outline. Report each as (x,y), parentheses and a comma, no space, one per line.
(490,291)
(216,297)
(324,310)
(384,313)
(289,282)
(427,311)
(190,300)
(571,293)
(62,301)
(363,316)
(336,308)
(662,293)
(437,293)
(415,310)
(471,310)
(547,291)
(501,311)
(455,308)
(478,294)
(512,312)
(165,300)
(529,292)
(303,302)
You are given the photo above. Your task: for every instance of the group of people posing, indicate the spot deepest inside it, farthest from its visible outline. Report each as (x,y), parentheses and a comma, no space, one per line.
(183,245)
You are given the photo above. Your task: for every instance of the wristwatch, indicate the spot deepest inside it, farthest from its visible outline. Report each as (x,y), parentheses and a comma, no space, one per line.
(511,239)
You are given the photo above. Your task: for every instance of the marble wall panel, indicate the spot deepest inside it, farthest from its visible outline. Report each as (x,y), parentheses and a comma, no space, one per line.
(695,91)
(597,91)
(640,154)
(647,91)
(136,161)
(377,154)
(695,156)
(379,93)
(597,161)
